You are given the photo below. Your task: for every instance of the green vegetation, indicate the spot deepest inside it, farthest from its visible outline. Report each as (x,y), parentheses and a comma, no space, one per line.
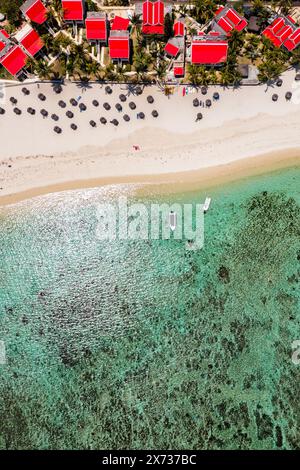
(148,61)
(11,8)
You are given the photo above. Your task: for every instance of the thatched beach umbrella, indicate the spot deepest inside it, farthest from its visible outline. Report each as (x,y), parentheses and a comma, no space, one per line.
(150,99)
(195,102)
(126,118)
(69,114)
(82,107)
(154,113)
(103,120)
(203,90)
(199,116)
(62,104)
(106,106)
(57,130)
(31,111)
(41,97)
(216,95)
(288,95)
(73,126)
(54,117)
(108,90)
(141,115)
(25,91)
(2,111)
(119,107)
(115,122)
(93,123)
(57,88)
(73,102)
(138,90)
(274,97)
(122,98)
(132,105)
(17,111)
(13,100)
(279,82)
(95,103)
(44,112)
(208,103)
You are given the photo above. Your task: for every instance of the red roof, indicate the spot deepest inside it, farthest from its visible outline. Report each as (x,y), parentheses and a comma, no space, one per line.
(171,49)
(14,60)
(37,12)
(2,43)
(153,17)
(283,33)
(179,28)
(119,47)
(5,33)
(96,28)
(179,71)
(32,42)
(229,20)
(209,52)
(73,10)
(120,24)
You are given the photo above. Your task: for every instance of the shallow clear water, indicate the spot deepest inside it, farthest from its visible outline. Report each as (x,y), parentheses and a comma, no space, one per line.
(144,344)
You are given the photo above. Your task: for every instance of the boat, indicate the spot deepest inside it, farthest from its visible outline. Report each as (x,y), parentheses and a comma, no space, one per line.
(172,220)
(206,204)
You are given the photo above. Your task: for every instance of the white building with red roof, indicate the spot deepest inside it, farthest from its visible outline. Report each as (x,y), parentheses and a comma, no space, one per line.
(227,19)
(12,57)
(283,32)
(119,23)
(209,49)
(179,27)
(153,15)
(119,46)
(30,40)
(96,27)
(35,11)
(74,10)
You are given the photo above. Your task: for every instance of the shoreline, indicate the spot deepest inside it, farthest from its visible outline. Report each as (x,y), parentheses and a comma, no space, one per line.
(243,133)
(170,183)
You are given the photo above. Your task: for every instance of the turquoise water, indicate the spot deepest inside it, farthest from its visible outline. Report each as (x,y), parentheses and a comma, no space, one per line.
(144,344)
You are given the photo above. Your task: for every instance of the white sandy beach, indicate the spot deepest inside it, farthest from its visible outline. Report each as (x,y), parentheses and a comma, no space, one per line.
(235,133)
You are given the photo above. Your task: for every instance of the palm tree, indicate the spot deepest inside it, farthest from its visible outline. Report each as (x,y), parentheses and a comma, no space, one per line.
(57,10)
(204,10)
(42,69)
(136,23)
(31,64)
(282,6)
(161,69)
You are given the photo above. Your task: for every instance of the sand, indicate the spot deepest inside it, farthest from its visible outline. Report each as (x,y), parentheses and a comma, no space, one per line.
(243,133)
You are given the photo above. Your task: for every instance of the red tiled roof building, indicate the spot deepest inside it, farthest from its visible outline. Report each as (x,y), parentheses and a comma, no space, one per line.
(35,11)
(209,50)
(96,26)
(12,57)
(119,49)
(227,19)
(30,40)
(283,32)
(153,17)
(73,10)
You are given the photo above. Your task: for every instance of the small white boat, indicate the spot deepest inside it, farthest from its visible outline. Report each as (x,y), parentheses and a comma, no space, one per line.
(172,220)
(206,204)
